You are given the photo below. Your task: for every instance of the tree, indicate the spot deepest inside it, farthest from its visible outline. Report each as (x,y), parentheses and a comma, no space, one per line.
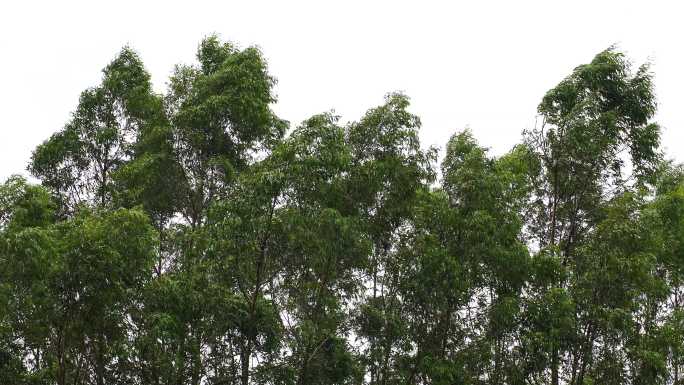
(73,284)
(590,120)
(78,162)
(388,169)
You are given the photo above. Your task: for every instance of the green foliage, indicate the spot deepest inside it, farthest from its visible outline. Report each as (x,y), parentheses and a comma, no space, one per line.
(185,238)
(70,285)
(78,162)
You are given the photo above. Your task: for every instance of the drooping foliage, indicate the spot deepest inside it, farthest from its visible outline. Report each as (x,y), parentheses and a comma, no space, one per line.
(191,237)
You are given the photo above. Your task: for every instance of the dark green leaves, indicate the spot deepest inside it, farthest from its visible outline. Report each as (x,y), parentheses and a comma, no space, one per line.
(184,238)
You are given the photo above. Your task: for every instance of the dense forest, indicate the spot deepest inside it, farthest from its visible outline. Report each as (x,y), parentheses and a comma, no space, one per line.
(194,237)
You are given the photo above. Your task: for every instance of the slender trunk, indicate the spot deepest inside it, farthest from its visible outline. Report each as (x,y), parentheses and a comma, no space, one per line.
(574,368)
(554,366)
(498,355)
(303,372)
(410,380)
(586,355)
(100,366)
(180,364)
(552,242)
(61,364)
(675,354)
(244,363)
(160,256)
(61,370)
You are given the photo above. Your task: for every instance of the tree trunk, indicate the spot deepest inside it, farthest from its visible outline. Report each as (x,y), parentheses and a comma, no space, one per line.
(244,363)
(554,366)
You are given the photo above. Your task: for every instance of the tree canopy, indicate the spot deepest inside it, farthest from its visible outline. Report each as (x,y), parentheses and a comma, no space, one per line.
(194,237)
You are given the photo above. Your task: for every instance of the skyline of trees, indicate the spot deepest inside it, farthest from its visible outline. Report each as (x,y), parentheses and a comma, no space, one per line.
(194,237)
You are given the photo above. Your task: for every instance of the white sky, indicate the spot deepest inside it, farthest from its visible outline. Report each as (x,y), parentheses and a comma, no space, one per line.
(481,64)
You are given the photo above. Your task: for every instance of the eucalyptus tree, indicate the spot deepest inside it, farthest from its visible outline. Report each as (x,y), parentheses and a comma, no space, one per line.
(79,161)
(388,168)
(593,122)
(221,117)
(21,205)
(71,285)
(596,127)
(245,238)
(287,243)
(324,250)
(462,265)
(665,316)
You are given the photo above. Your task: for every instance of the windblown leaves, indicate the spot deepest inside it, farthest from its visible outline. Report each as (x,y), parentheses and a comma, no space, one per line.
(190,238)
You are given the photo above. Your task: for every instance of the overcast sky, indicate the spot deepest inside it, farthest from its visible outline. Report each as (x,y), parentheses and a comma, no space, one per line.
(478,64)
